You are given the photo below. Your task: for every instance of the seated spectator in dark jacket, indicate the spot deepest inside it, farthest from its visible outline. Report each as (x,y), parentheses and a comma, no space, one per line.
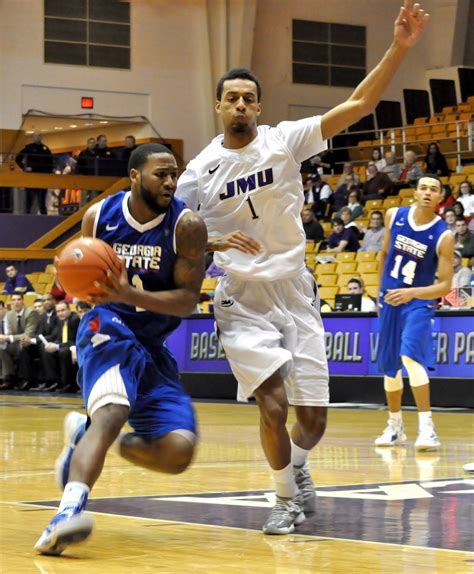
(377,184)
(353,203)
(130,145)
(348,220)
(450,219)
(391,168)
(342,239)
(86,160)
(374,236)
(16,282)
(463,238)
(318,195)
(435,162)
(311,226)
(411,171)
(348,175)
(107,161)
(58,358)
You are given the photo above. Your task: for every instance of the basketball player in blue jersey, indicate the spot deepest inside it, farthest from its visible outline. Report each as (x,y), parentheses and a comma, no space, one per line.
(126,371)
(417,247)
(247,187)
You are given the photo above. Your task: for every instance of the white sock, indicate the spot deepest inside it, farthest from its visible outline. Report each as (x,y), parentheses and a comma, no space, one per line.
(285,484)
(73,493)
(424,418)
(397,417)
(299,455)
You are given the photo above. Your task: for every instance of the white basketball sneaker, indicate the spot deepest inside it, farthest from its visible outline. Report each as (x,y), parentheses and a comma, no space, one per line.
(393,434)
(427,438)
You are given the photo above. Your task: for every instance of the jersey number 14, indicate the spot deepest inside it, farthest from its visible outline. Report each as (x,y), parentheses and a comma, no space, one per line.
(407,271)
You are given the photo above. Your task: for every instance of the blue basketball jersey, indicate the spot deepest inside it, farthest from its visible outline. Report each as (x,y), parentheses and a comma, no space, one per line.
(412,258)
(149,252)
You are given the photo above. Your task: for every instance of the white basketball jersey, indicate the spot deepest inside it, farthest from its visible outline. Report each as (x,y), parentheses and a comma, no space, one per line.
(258,190)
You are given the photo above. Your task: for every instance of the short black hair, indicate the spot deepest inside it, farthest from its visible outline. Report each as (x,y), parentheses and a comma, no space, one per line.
(337,220)
(139,155)
(38,300)
(355,280)
(84,305)
(238,74)
(431,176)
(2,303)
(130,138)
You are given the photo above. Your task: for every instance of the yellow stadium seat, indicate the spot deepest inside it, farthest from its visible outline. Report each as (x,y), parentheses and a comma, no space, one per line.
(346,256)
(457,178)
(420,121)
(324,268)
(406,192)
(371,279)
(309,260)
(45,278)
(392,202)
(373,203)
(368,267)
(372,291)
(408,201)
(469,169)
(366,255)
(346,267)
(328,280)
(344,278)
(327,293)
(209,284)
(310,246)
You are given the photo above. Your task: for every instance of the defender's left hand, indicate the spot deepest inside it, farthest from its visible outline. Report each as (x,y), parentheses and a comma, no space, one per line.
(398,297)
(117,290)
(410,24)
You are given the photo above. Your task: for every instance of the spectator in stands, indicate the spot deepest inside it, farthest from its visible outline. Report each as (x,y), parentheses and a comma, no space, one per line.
(353,203)
(86,160)
(435,162)
(377,184)
(447,200)
(392,168)
(342,239)
(461,275)
(16,282)
(311,226)
(458,208)
(377,158)
(373,239)
(450,219)
(466,197)
(36,157)
(319,196)
(107,161)
(3,331)
(130,145)
(355,286)
(38,305)
(322,163)
(58,357)
(348,220)
(17,358)
(411,171)
(348,175)
(82,307)
(464,239)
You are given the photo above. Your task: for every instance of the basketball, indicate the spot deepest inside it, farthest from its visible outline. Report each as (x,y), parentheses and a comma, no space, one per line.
(84,261)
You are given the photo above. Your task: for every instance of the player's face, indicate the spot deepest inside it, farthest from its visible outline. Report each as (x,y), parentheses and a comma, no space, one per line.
(239,107)
(157,180)
(428,192)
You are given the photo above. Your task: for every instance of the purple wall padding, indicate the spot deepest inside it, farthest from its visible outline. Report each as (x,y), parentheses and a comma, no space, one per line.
(18,231)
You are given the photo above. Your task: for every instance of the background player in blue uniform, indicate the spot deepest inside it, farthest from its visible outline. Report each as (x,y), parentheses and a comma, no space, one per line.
(417,247)
(126,371)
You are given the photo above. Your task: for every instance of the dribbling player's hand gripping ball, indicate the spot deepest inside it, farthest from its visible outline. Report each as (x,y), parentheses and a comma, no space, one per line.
(84,261)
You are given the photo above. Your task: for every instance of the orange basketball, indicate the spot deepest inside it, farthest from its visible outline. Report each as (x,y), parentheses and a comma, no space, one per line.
(84,261)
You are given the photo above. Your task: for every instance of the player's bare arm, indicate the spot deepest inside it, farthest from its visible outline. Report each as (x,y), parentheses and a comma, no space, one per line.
(408,29)
(386,241)
(234,240)
(397,297)
(191,240)
(87,227)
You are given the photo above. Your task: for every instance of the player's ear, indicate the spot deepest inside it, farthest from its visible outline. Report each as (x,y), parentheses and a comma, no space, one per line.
(217,106)
(259,108)
(134,175)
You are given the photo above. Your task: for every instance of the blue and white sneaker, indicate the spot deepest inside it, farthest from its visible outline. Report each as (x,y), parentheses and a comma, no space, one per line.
(74,430)
(427,438)
(392,435)
(70,526)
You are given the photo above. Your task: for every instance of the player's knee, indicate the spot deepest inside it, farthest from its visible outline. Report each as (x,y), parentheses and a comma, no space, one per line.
(417,375)
(109,419)
(313,420)
(273,414)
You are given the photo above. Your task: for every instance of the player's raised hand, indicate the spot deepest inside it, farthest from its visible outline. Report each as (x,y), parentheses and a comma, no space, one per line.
(410,23)
(236,240)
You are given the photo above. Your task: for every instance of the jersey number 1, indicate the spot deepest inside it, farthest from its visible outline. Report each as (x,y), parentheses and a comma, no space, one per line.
(408,270)
(138,284)
(252,209)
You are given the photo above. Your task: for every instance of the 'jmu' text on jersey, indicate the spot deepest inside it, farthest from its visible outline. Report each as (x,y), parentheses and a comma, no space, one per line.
(248,183)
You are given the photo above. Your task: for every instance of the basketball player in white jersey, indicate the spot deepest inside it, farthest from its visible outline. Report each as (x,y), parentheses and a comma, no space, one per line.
(247,187)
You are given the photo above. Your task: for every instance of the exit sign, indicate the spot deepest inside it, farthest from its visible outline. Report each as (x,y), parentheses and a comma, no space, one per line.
(87,103)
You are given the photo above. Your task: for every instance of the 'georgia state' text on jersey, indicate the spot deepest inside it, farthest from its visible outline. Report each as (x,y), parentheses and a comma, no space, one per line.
(149,252)
(412,258)
(258,190)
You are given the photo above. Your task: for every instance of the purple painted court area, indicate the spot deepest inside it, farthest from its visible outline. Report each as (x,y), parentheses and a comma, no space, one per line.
(434,514)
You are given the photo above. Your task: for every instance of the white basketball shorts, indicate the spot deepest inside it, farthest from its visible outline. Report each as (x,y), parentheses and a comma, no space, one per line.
(269,326)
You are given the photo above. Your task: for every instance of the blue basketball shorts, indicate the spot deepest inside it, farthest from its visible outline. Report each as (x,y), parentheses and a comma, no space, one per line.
(116,368)
(405,330)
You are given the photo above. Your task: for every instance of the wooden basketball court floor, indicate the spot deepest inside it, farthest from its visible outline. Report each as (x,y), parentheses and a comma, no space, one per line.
(386,511)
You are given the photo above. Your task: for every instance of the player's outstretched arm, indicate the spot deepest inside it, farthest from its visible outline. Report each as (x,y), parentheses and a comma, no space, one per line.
(397,297)
(408,29)
(191,240)
(234,240)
